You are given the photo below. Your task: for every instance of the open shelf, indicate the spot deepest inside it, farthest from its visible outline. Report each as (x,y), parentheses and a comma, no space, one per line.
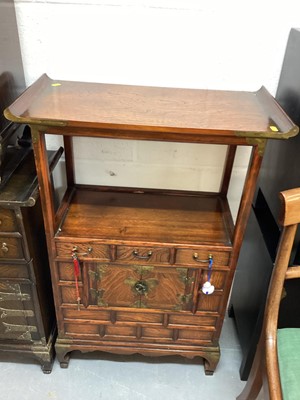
(181,218)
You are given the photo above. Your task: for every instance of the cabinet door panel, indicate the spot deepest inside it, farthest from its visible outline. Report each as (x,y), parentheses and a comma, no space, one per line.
(139,286)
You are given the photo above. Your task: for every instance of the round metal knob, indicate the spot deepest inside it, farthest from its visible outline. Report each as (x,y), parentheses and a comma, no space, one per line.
(4,247)
(141,287)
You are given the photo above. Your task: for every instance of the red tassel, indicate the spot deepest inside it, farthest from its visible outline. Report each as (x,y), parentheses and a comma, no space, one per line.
(77,273)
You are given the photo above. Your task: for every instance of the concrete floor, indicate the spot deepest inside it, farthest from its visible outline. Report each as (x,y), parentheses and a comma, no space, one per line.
(100,376)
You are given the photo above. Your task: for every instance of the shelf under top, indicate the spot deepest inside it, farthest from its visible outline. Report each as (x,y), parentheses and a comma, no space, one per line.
(148,217)
(154,109)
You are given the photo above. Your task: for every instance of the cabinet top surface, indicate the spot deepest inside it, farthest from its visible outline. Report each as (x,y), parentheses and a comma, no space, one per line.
(97,106)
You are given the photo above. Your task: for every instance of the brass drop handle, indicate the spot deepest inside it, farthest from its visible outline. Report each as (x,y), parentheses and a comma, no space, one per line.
(4,248)
(141,287)
(195,258)
(136,254)
(75,248)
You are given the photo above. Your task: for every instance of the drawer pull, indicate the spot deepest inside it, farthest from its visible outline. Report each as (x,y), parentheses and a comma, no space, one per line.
(4,248)
(141,287)
(195,258)
(75,248)
(136,254)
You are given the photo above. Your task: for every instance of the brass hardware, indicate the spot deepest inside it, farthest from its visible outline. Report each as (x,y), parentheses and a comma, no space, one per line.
(75,252)
(98,295)
(141,287)
(260,143)
(14,296)
(182,300)
(19,328)
(98,273)
(142,269)
(4,247)
(195,258)
(15,313)
(183,276)
(135,253)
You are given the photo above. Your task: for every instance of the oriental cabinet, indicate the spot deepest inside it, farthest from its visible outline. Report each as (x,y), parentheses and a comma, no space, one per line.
(27,318)
(140,270)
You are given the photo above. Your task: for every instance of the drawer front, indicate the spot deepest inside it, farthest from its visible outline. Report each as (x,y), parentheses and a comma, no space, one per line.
(8,221)
(138,334)
(138,318)
(17,317)
(200,257)
(138,255)
(11,248)
(84,250)
(14,271)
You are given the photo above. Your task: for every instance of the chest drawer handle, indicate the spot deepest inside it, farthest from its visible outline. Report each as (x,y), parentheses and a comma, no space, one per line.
(4,248)
(195,258)
(136,254)
(141,287)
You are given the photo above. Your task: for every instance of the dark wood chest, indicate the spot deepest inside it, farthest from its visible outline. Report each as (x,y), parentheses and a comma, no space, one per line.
(27,319)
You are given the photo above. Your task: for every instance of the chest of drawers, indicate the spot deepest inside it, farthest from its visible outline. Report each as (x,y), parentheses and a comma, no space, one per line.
(27,318)
(138,270)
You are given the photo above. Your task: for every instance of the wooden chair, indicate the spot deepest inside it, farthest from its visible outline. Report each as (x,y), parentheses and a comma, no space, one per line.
(276,366)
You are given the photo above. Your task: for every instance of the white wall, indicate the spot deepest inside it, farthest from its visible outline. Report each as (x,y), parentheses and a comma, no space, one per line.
(214,44)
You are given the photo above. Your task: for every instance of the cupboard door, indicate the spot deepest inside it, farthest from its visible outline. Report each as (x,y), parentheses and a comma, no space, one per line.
(139,286)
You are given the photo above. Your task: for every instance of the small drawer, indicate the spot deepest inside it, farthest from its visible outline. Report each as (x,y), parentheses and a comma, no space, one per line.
(100,332)
(15,271)
(152,255)
(201,257)
(84,250)
(8,221)
(11,248)
(195,336)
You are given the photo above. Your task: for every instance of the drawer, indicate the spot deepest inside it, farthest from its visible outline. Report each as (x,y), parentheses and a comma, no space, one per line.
(100,332)
(197,321)
(8,221)
(190,336)
(84,250)
(14,271)
(11,248)
(115,317)
(151,255)
(200,257)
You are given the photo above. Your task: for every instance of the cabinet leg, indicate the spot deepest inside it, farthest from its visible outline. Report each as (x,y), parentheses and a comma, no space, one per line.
(63,355)
(46,360)
(211,362)
(47,367)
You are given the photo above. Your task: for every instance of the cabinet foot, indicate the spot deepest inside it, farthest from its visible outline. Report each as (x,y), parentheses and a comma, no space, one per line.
(46,360)
(211,362)
(47,368)
(63,355)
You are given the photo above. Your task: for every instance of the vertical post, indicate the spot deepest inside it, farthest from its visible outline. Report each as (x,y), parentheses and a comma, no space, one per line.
(231,150)
(69,157)
(44,179)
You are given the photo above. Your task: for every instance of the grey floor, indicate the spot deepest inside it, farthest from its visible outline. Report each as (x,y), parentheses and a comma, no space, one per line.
(96,376)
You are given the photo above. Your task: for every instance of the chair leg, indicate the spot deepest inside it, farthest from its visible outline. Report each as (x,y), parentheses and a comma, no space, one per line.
(255,381)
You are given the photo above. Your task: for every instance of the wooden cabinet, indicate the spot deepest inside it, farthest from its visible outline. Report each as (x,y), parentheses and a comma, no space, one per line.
(27,318)
(128,265)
